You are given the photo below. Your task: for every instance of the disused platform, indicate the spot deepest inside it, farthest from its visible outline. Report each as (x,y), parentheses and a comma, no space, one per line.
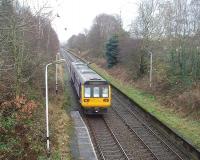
(85,146)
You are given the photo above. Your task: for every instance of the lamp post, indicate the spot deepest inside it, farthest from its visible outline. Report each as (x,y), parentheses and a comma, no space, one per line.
(57,58)
(47,102)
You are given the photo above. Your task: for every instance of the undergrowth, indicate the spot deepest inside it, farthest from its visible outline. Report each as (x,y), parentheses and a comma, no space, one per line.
(23,126)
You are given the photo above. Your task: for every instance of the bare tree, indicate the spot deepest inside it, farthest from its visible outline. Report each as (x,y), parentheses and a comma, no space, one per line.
(104,26)
(21,54)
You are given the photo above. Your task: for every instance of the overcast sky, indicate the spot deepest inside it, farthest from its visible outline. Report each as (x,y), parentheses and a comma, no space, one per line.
(77,15)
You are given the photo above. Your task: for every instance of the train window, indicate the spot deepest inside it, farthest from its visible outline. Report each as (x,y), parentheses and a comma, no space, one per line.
(96,92)
(104,92)
(87,92)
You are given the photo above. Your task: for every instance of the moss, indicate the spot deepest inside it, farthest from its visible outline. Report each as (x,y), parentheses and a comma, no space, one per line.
(186,127)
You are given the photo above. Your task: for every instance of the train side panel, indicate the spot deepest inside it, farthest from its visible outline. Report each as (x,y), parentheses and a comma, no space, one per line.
(75,81)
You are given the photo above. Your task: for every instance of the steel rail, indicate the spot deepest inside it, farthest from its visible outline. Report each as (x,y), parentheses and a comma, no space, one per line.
(147,127)
(95,139)
(113,136)
(123,120)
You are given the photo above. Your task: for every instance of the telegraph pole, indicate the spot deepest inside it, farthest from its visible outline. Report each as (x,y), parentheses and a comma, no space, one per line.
(151,68)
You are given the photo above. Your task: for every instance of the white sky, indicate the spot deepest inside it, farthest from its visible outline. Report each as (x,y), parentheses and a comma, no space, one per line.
(76,15)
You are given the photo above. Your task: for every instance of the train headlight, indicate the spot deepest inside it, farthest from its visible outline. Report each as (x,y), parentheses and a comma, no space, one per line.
(106,100)
(86,100)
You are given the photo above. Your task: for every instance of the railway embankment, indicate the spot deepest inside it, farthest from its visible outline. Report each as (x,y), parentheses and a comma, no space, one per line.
(187,127)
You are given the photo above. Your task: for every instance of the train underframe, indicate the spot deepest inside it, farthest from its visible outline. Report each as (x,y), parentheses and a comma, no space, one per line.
(95,110)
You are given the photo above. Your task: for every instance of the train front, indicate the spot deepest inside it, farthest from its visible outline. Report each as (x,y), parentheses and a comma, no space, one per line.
(96,97)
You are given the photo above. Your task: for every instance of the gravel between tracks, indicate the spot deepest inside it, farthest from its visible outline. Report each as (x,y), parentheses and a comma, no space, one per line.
(134,148)
(108,145)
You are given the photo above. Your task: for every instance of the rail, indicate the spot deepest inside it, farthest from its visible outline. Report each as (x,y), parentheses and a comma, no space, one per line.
(101,142)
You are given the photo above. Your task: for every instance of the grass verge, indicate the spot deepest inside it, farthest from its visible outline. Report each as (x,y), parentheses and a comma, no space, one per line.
(185,127)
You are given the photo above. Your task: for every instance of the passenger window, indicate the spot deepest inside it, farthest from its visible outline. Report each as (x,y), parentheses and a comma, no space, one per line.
(96,91)
(104,92)
(87,92)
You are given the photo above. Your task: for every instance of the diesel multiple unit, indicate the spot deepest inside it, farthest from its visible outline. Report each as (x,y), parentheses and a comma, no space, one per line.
(93,91)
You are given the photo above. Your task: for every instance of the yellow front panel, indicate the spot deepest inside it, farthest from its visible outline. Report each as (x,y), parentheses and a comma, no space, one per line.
(96,102)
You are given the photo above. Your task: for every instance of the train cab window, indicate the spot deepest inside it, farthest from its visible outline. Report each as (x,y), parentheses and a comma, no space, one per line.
(105,92)
(87,92)
(96,92)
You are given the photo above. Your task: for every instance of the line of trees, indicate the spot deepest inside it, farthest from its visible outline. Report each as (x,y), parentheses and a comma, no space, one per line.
(103,28)
(27,42)
(170,29)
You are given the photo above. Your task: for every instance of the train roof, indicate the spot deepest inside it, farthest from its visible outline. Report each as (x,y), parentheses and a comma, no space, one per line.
(85,73)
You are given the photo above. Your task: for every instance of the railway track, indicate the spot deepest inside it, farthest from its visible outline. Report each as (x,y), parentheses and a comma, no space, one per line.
(134,147)
(156,143)
(119,140)
(108,145)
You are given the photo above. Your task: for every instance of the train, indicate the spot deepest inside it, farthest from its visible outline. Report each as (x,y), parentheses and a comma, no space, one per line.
(93,91)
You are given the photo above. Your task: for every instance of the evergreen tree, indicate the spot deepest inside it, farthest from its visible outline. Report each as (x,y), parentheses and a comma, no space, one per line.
(112,50)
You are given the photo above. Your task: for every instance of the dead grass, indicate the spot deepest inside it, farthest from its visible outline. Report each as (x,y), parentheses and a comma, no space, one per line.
(187,103)
(62,127)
